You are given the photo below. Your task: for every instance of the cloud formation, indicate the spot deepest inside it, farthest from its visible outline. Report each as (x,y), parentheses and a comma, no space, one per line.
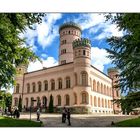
(49,62)
(44,33)
(97,22)
(99,58)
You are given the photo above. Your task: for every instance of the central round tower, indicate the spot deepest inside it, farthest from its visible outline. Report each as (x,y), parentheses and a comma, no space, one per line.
(68,33)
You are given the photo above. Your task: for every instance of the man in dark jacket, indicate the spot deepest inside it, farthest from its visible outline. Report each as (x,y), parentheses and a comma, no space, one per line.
(64,115)
(68,116)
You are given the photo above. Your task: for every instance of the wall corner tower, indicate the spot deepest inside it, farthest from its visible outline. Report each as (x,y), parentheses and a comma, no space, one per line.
(114,75)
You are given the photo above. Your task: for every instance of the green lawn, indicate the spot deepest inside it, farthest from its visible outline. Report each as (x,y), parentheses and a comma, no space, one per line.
(129,123)
(10,122)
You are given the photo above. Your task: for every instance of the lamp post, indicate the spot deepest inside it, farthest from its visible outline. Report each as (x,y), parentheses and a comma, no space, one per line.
(31,108)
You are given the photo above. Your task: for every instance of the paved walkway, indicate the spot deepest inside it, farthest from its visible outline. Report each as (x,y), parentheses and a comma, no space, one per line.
(78,120)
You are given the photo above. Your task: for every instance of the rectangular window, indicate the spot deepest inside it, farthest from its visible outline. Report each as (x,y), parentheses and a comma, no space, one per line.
(63,62)
(84,52)
(63,51)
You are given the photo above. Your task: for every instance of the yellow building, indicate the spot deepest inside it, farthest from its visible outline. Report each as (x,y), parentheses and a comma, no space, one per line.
(74,83)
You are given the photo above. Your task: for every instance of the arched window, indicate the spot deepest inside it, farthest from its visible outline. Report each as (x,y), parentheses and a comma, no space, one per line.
(67,100)
(28,88)
(108,104)
(38,102)
(94,85)
(26,102)
(105,103)
(84,98)
(16,101)
(102,88)
(75,98)
(39,86)
(91,83)
(84,78)
(17,88)
(59,100)
(102,102)
(32,102)
(45,85)
(68,82)
(107,90)
(52,84)
(84,52)
(91,99)
(44,101)
(69,32)
(98,102)
(60,83)
(33,86)
(95,101)
(98,87)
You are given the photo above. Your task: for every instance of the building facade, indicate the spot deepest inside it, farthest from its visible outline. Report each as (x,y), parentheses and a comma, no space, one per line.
(74,83)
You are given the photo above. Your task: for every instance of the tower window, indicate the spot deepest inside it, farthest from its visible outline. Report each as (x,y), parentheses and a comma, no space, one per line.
(17,88)
(63,62)
(84,52)
(63,51)
(63,42)
(69,32)
(117,93)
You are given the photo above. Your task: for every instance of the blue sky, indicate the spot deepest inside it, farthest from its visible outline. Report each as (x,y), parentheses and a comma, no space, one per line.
(45,38)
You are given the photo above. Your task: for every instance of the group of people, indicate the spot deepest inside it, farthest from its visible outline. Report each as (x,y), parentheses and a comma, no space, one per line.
(13,112)
(66,115)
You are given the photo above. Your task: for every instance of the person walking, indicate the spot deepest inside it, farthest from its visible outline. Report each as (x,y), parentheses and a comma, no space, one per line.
(68,116)
(17,114)
(38,114)
(64,113)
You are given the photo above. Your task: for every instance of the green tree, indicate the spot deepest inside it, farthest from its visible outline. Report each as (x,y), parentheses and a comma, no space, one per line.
(20,104)
(8,100)
(129,102)
(5,99)
(125,50)
(2,99)
(51,108)
(11,52)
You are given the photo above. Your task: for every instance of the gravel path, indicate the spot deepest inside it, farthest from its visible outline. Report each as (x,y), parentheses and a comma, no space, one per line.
(55,120)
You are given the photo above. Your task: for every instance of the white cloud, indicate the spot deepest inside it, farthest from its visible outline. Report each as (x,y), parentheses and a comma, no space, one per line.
(44,55)
(108,31)
(99,58)
(49,62)
(89,20)
(95,22)
(45,32)
(33,66)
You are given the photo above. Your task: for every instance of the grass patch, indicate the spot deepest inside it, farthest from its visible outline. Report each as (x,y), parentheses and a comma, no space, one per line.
(11,122)
(129,123)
